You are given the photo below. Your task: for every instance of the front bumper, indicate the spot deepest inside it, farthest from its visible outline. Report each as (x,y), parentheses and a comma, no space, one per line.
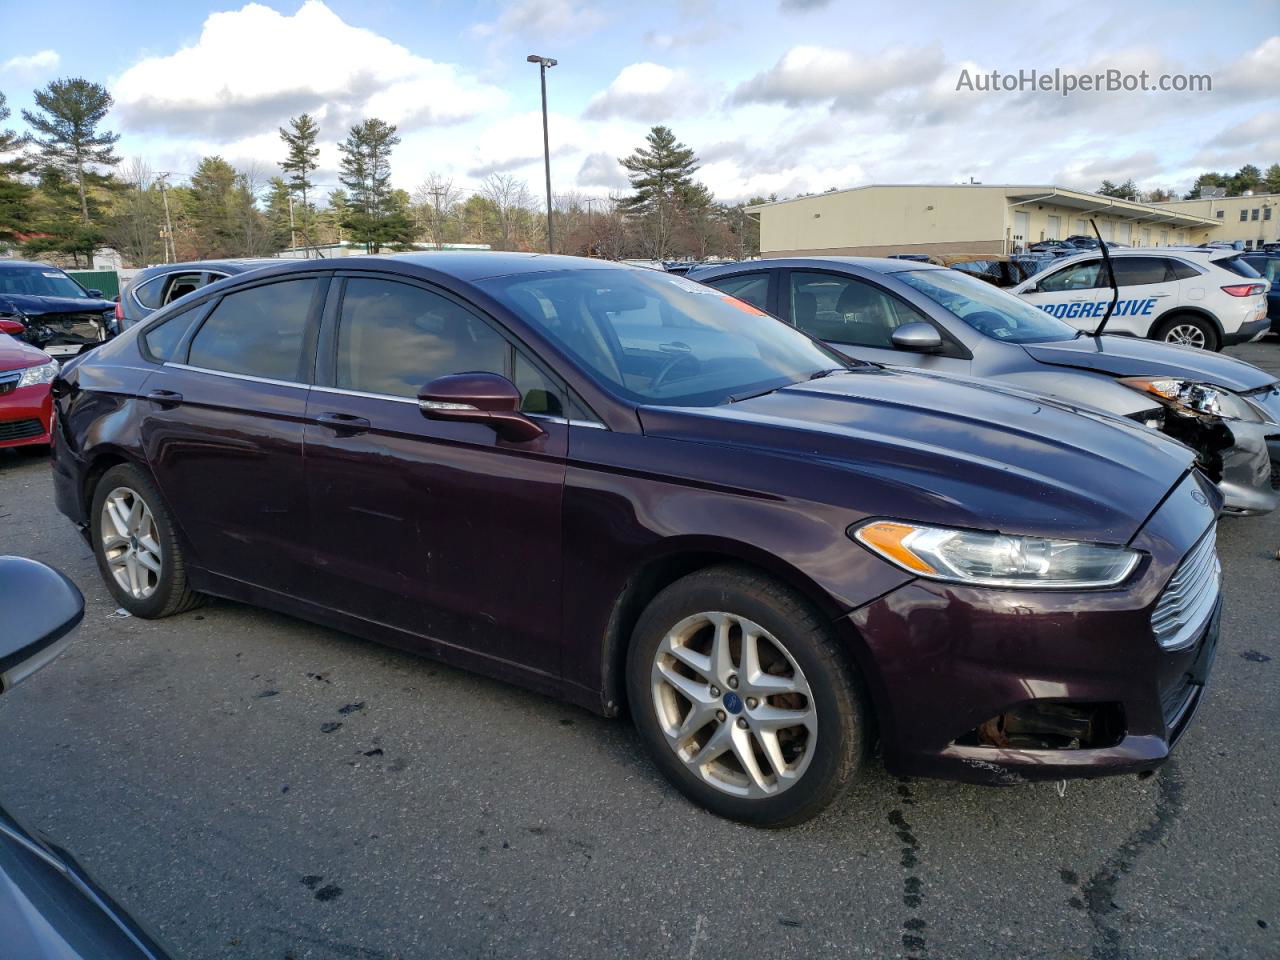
(26,415)
(943,660)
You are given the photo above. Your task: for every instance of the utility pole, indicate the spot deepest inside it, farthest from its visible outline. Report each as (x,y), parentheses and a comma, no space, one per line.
(543,63)
(293,236)
(168,223)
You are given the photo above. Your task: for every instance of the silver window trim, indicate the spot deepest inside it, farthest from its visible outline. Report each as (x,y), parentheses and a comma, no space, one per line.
(237,376)
(340,391)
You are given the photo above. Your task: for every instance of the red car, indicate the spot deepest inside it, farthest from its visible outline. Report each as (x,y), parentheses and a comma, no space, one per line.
(26,408)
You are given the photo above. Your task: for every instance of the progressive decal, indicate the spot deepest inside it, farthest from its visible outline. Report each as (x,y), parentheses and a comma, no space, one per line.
(1098,309)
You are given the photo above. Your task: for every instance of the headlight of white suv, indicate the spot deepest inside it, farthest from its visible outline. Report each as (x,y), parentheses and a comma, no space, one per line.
(44,373)
(1190,396)
(996,560)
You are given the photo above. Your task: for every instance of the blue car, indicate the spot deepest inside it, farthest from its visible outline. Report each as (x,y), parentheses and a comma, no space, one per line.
(58,315)
(1268,264)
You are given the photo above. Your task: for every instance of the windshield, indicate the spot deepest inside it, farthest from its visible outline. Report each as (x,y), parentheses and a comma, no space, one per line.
(39,282)
(990,311)
(658,338)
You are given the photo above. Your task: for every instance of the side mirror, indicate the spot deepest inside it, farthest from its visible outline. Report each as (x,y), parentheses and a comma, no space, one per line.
(918,337)
(41,608)
(478,398)
(96,294)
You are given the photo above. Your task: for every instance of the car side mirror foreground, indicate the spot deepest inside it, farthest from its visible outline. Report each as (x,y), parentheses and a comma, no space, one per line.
(40,609)
(478,398)
(918,337)
(12,327)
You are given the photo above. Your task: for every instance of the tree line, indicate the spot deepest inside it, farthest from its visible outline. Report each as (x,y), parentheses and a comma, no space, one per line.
(1247,178)
(65,193)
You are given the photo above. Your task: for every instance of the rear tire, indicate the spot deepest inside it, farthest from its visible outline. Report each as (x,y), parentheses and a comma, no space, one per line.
(784,708)
(136,546)
(1190,331)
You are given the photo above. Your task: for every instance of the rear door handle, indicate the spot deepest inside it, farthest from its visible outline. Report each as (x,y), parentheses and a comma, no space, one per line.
(166,398)
(343,422)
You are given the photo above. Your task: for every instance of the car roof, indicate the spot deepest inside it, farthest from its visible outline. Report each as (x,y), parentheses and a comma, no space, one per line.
(233,264)
(876,264)
(29,263)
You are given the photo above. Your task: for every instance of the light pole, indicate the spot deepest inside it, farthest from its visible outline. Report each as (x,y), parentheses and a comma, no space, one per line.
(543,63)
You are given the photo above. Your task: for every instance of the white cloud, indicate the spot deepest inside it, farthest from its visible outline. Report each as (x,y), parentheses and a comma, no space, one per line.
(542,18)
(602,170)
(1254,74)
(253,68)
(647,92)
(32,63)
(807,75)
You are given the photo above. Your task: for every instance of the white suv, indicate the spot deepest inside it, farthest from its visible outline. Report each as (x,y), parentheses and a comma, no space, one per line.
(1199,297)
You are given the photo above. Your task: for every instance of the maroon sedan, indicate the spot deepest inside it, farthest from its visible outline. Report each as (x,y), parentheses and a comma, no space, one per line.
(26,409)
(620,487)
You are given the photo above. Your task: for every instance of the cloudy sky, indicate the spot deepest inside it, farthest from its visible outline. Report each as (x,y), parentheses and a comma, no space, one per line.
(776,97)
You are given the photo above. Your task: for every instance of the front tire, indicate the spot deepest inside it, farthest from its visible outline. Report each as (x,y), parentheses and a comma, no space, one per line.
(1189,331)
(136,546)
(743,699)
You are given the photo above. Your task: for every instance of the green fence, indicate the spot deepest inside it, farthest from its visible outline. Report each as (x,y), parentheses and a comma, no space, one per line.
(108,281)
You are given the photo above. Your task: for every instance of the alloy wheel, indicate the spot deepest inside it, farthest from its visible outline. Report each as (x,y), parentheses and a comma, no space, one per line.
(734,705)
(130,543)
(1187,334)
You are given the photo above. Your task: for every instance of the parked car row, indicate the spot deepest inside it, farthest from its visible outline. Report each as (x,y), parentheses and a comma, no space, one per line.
(636,491)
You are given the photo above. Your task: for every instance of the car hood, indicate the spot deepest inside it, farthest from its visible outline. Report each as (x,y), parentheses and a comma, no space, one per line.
(35,306)
(16,355)
(1133,357)
(932,449)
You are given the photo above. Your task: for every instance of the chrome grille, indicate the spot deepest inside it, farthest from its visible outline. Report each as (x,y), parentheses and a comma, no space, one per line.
(1189,597)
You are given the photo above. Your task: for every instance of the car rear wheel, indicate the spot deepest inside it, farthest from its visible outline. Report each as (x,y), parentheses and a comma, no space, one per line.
(137,551)
(743,699)
(1189,331)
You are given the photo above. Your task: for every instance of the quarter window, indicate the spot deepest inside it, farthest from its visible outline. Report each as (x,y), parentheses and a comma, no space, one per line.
(258,332)
(149,294)
(162,339)
(753,288)
(1081,276)
(845,310)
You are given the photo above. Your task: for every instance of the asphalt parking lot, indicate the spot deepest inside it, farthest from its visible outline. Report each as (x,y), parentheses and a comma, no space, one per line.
(253,786)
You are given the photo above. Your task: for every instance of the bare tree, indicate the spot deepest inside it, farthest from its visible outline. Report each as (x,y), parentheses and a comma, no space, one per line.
(137,220)
(436,199)
(510,198)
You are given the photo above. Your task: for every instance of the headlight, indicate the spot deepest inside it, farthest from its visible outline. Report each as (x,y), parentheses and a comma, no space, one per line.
(1203,399)
(41,374)
(995,560)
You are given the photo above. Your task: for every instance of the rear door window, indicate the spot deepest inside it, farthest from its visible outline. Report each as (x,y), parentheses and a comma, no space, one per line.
(1137,271)
(753,288)
(258,332)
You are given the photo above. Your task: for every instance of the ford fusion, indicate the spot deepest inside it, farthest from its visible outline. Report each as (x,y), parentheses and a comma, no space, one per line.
(626,489)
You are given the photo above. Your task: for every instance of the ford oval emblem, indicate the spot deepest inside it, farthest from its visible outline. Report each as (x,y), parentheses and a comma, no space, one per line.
(1199,498)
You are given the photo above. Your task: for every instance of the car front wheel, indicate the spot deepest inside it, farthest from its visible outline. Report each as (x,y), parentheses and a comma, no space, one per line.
(136,548)
(743,699)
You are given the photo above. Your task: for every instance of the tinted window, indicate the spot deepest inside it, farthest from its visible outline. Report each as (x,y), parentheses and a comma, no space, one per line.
(753,288)
(149,294)
(162,339)
(539,394)
(257,332)
(1237,265)
(1180,270)
(706,349)
(395,338)
(1134,271)
(990,311)
(1081,276)
(845,310)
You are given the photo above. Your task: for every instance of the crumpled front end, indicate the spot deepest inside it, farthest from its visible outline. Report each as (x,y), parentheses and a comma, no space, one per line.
(1003,686)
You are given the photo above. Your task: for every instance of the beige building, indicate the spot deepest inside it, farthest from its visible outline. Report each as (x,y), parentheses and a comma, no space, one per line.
(882,219)
(1253,219)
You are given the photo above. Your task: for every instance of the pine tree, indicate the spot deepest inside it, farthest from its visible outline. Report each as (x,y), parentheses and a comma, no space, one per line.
(210,208)
(66,121)
(663,187)
(300,163)
(1271,179)
(15,196)
(375,218)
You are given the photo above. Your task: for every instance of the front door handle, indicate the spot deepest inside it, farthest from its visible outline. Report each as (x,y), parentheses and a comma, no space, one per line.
(165,398)
(343,422)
